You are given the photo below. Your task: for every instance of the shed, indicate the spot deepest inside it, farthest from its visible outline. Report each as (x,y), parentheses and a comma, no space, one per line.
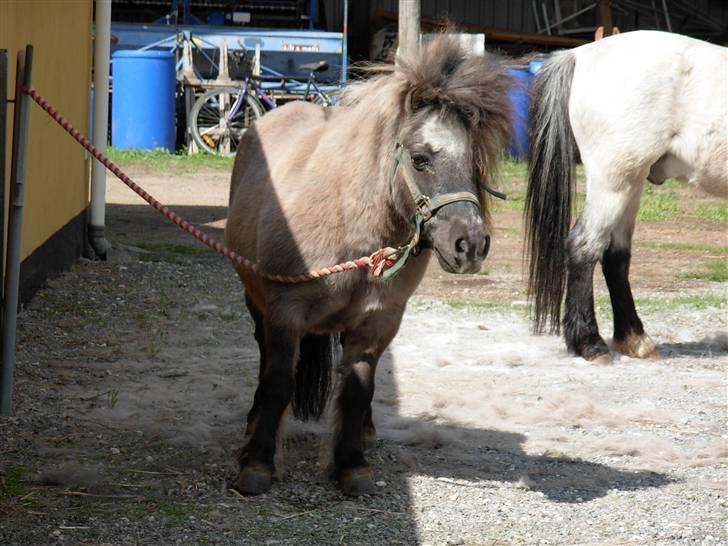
(57,176)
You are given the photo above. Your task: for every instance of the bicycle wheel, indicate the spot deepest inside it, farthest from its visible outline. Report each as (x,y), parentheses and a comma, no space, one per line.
(220,117)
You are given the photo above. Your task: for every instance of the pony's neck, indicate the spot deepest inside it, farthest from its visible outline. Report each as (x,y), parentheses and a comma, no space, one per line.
(377,197)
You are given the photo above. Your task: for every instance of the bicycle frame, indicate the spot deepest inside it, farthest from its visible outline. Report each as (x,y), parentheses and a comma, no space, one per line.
(248,83)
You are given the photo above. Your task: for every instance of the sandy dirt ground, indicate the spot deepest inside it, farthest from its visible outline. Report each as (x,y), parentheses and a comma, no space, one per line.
(135,374)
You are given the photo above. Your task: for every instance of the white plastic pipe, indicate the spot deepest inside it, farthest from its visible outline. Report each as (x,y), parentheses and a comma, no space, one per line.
(102,55)
(409,28)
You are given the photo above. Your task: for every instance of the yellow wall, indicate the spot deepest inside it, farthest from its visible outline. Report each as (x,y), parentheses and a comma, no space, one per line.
(57,175)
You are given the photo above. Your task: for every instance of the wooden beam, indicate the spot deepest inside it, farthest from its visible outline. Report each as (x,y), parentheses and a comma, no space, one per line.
(499,35)
(605,17)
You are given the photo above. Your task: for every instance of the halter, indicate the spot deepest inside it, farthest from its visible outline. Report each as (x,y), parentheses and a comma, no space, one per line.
(425,208)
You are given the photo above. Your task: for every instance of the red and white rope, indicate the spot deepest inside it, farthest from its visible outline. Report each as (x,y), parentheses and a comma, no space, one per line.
(377,262)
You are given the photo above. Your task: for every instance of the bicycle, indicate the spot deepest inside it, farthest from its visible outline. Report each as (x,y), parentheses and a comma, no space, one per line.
(220,117)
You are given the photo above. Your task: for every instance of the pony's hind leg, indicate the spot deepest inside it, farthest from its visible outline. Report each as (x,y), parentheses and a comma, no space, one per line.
(274,394)
(581,331)
(629,335)
(603,229)
(260,339)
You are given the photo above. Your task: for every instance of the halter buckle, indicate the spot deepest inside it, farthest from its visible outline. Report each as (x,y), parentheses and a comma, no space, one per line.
(424,207)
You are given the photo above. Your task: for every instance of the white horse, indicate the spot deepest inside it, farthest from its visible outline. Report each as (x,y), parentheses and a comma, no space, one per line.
(640,105)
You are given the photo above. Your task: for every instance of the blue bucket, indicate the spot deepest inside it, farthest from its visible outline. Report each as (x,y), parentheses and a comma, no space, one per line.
(143,105)
(519,95)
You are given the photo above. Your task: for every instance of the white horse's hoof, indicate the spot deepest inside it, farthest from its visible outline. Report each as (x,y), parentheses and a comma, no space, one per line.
(636,346)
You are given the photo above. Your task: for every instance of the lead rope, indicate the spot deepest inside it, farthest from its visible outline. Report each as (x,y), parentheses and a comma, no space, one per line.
(377,263)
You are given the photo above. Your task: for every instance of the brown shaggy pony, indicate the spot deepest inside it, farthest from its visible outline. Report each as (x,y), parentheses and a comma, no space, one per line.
(312,187)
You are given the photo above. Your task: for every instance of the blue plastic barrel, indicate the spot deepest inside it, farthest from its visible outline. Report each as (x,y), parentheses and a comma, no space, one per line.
(519,95)
(143,100)
(534,66)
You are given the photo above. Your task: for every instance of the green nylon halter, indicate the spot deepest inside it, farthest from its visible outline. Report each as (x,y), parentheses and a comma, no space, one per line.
(425,209)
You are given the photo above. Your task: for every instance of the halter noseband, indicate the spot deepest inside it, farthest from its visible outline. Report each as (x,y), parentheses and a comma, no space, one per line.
(425,207)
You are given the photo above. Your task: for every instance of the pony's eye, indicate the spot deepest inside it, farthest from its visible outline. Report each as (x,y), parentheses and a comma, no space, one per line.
(420,161)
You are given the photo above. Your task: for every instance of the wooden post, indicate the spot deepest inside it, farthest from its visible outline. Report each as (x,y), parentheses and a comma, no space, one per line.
(605,17)
(409,28)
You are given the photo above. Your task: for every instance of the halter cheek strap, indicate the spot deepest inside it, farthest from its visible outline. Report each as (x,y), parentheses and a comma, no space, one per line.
(425,208)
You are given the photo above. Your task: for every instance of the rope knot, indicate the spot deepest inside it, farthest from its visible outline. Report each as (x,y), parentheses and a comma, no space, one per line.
(383,259)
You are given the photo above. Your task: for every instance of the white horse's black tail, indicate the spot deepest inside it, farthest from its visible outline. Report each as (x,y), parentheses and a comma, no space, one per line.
(313,376)
(550,186)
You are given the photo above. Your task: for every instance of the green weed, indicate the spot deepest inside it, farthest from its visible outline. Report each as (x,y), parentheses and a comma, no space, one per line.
(714,270)
(162,159)
(13,481)
(658,205)
(695,301)
(717,213)
(699,247)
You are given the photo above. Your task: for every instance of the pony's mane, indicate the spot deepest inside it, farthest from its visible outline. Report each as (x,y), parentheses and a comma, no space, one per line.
(442,74)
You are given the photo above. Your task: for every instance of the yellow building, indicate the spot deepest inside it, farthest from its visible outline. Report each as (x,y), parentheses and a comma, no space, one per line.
(57,170)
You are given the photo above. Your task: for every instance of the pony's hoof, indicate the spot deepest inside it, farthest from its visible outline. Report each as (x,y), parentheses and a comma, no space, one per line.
(636,346)
(357,482)
(254,480)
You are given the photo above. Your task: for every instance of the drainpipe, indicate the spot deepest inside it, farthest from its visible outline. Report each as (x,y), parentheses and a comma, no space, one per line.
(102,54)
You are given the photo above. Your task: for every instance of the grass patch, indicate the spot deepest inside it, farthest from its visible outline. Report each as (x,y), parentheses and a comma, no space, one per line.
(717,213)
(699,247)
(674,184)
(513,169)
(692,302)
(13,481)
(160,158)
(713,270)
(658,205)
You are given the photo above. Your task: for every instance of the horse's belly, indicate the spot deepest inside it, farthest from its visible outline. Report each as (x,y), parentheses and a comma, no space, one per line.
(362,305)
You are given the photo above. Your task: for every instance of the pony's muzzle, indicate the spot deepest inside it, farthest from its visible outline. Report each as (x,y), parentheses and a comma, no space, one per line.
(465,247)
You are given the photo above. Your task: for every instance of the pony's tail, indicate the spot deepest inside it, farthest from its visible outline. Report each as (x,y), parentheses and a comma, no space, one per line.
(313,376)
(551,177)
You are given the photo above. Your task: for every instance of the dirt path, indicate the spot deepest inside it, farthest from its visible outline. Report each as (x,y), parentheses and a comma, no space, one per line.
(135,374)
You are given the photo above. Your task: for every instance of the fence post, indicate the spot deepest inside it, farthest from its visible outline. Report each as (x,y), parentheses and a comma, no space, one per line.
(15,227)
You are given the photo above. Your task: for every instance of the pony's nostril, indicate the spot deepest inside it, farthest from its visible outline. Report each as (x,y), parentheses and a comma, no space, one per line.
(486,248)
(461,246)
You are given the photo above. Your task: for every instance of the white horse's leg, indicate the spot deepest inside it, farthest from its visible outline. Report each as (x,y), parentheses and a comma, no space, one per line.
(629,335)
(606,223)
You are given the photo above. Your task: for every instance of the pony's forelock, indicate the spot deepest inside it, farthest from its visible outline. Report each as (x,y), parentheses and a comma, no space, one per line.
(444,75)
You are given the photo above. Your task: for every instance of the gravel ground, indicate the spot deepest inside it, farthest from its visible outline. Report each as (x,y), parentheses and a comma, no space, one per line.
(135,374)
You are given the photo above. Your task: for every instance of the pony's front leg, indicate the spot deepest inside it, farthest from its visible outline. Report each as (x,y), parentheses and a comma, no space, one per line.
(629,335)
(362,349)
(275,390)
